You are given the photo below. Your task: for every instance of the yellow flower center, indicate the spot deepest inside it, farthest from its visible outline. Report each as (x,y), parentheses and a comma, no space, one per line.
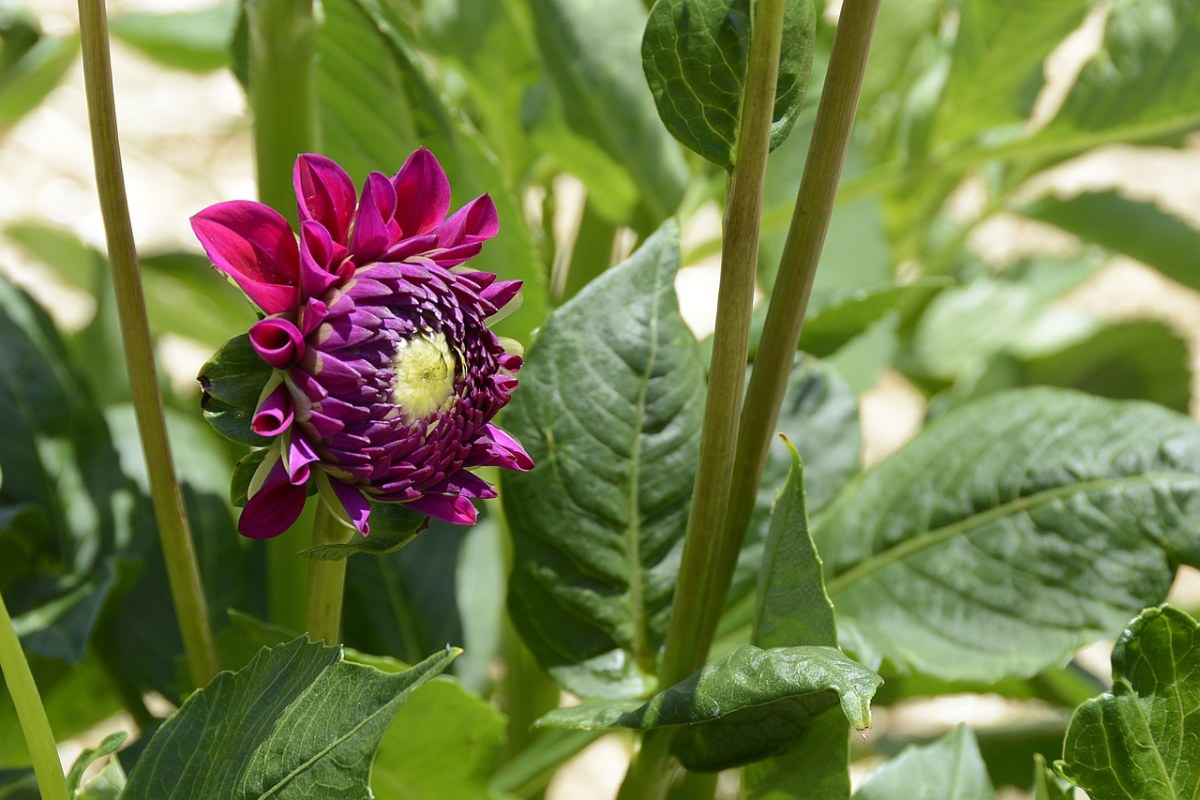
(426,368)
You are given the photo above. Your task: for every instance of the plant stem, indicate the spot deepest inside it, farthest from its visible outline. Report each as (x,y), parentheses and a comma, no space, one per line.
(326,581)
(693,616)
(183,573)
(52,783)
(651,771)
(797,268)
(283,94)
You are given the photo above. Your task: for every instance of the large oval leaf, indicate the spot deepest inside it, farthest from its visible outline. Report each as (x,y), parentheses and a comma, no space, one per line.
(696,52)
(1012,531)
(610,408)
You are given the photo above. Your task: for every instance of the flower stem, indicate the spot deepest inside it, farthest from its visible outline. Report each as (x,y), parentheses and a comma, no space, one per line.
(693,617)
(326,581)
(183,573)
(38,737)
(797,268)
(283,94)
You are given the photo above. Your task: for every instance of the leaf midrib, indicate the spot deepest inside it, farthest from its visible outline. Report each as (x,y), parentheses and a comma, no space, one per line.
(923,541)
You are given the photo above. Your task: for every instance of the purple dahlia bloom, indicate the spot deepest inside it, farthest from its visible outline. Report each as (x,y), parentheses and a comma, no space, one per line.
(385,374)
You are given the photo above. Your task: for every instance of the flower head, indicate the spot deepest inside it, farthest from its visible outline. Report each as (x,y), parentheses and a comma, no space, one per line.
(385,375)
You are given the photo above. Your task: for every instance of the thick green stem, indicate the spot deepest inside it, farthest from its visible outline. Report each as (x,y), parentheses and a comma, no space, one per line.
(652,770)
(797,268)
(696,605)
(326,581)
(283,95)
(183,572)
(36,728)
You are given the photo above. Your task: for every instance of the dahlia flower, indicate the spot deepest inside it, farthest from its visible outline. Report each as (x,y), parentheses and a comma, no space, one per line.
(385,376)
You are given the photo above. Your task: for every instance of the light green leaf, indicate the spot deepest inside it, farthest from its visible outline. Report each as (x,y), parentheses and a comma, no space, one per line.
(298,721)
(111,744)
(751,704)
(1142,740)
(949,768)
(696,52)
(1012,531)
(1136,228)
(195,41)
(1046,785)
(999,56)
(610,407)
(25,83)
(837,317)
(590,52)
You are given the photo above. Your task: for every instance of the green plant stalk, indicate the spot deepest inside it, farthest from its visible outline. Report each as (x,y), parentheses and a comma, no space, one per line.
(52,783)
(326,581)
(693,616)
(183,573)
(793,285)
(283,95)
(692,620)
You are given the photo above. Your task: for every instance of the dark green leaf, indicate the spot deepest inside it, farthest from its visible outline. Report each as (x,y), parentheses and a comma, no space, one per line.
(18,784)
(1012,531)
(610,408)
(815,767)
(590,50)
(25,83)
(1142,740)
(1136,228)
(751,704)
(999,57)
(950,767)
(243,472)
(392,527)
(195,41)
(232,382)
(695,53)
(308,725)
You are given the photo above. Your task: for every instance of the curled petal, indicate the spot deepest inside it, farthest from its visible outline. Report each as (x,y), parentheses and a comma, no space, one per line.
(320,258)
(372,234)
(498,448)
(502,293)
(355,505)
(253,245)
(273,508)
(324,194)
(274,415)
(474,222)
(453,509)
(297,458)
(422,194)
(277,342)
(466,484)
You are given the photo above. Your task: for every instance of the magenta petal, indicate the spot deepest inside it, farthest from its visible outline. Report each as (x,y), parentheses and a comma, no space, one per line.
(466,484)
(422,194)
(456,510)
(324,194)
(497,448)
(274,508)
(501,294)
(358,508)
(277,342)
(274,415)
(372,236)
(300,455)
(475,222)
(253,245)
(319,258)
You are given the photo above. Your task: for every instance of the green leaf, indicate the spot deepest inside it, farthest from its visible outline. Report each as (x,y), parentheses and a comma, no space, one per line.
(696,52)
(1012,531)
(211,311)
(232,382)
(751,704)
(839,316)
(999,56)
(195,41)
(307,724)
(590,52)
(949,767)
(1136,228)
(25,83)
(610,407)
(1046,785)
(1142,83)
(818,761)
(1142,740)
(111,744)
(392,527)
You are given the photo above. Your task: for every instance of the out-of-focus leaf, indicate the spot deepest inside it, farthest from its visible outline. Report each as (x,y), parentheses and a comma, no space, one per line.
(696,53)
(185,296)
(591,53)
(308,725)
(610,408)
(479,586)
(949,767)
(746,706)
(1143,739)
(1136,228)
(862,359)
(999,56)
(72,260)
(25,83)
(195,41)
(1012,531)
(18,784)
